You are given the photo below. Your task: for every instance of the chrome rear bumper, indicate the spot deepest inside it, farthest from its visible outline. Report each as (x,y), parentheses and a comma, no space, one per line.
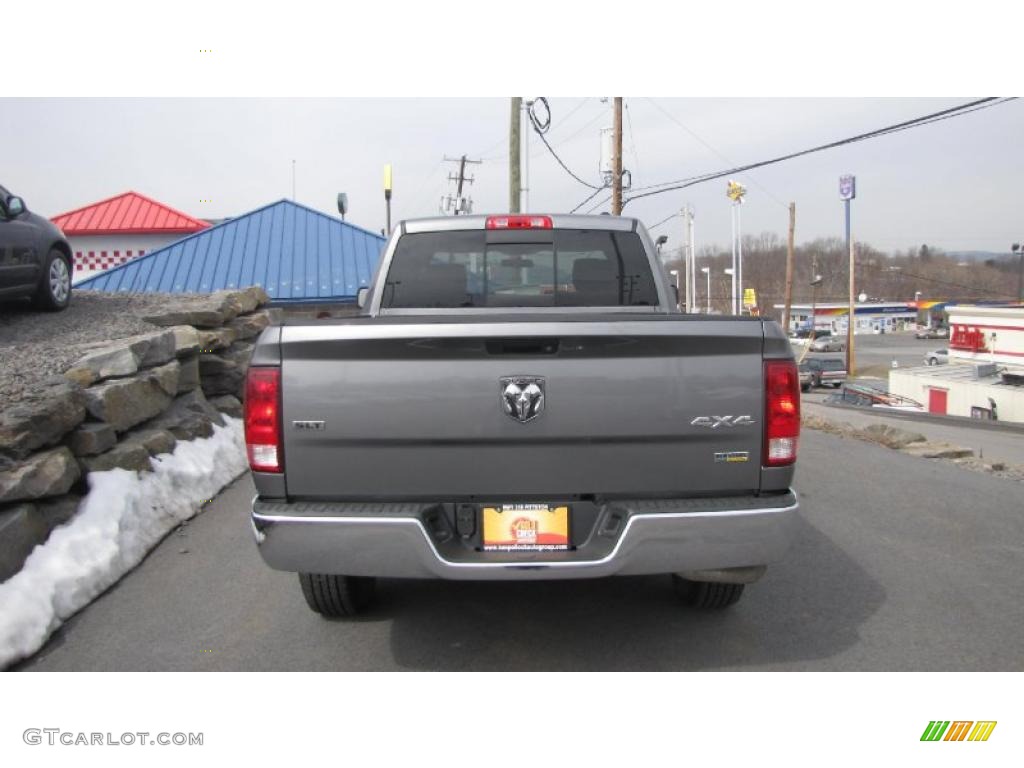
(394,541)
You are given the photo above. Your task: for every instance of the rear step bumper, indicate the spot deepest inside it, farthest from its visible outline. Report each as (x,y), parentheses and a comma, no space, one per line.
(632,538)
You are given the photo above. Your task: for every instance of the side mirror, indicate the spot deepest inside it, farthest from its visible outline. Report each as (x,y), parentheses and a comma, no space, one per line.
(15,206)
(362,296)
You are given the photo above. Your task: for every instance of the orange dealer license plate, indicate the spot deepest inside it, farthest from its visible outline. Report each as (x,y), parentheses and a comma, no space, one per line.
(526,527)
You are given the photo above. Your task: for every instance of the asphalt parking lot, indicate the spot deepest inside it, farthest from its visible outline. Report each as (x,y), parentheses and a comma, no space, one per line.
(901,563)
(875,353)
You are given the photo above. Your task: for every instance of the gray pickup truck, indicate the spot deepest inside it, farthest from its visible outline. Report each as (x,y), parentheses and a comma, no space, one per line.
(520,398)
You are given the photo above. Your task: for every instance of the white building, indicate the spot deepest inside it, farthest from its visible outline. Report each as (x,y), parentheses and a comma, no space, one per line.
(872,317)
(120,228)
(985,375)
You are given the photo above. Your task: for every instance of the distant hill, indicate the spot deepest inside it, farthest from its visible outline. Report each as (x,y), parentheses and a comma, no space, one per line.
(977,255)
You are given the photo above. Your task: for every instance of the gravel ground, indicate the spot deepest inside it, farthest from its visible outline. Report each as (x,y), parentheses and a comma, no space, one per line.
(35,345)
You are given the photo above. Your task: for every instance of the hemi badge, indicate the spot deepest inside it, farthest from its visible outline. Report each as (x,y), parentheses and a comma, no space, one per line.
(316,426)
(732,457)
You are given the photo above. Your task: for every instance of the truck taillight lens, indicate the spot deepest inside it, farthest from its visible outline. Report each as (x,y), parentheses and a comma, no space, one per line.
(519,222)
(781,412)
(263,419)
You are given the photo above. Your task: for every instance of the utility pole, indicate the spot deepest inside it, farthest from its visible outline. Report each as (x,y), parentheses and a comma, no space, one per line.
(527,106)
(514,145)
(459,204)
(617,158)
(789,268)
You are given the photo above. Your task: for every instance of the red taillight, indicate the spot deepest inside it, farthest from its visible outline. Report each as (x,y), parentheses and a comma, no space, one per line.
(519,222)
(781,412)
(263,419)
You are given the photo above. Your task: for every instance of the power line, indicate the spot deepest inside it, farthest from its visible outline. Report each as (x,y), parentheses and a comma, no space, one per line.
(963,109)
(541,127)
(632,143)
(590,197)
(678,122)
(560,142)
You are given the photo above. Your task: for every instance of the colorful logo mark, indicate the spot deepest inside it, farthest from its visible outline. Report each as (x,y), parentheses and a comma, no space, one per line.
(958,730)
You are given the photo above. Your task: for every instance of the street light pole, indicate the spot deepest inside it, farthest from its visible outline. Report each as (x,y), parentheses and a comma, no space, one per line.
(387,197)
(675,274)
(848,191)
(735,192)
(1018,248)
(707,271)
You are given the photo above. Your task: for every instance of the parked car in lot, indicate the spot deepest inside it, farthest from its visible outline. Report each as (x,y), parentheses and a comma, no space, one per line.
(805,333)
(828,344)
(522,399)
(35,258)
(937,357)
(818,371)
(932,333)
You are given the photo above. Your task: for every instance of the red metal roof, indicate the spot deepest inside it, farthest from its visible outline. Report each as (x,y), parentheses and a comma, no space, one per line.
(129,212)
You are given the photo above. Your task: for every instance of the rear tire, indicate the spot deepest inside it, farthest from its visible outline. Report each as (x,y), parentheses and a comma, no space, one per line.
(336,596)
(54,292)
(707,595)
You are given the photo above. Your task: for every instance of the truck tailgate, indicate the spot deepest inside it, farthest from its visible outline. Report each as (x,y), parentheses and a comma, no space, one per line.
(414,410)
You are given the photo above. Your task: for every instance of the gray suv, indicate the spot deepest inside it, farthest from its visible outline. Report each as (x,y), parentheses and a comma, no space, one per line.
(35,258)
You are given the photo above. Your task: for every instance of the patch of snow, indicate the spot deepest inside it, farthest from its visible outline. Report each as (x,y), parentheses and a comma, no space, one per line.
(122,517)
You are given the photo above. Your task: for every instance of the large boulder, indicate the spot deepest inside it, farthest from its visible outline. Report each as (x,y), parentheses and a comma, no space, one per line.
(56,511)
(50,473)
(153,439)
(204,315)
(247,326)
(890,436)
(188,374)
(938,450)
(123,357)
(124,455)
(212,311)
(227,404)
(41,418)
(123,403)
(216,339)
(92,438)
(220,375)
(21,530)
(186,340)
(189,416)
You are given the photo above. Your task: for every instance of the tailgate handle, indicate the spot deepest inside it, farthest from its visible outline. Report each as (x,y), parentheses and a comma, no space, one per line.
(521,346)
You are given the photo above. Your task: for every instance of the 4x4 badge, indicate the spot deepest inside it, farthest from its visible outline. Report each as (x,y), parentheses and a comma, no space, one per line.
(714,422)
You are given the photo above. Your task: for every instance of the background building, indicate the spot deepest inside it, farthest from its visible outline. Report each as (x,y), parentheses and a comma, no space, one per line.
(119,229)
(985,375)
(297,254)
(872,317)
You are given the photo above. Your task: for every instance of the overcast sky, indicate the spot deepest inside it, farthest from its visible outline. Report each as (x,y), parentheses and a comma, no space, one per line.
(955,184)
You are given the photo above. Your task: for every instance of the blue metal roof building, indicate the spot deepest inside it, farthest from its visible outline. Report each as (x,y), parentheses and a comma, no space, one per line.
(295,253)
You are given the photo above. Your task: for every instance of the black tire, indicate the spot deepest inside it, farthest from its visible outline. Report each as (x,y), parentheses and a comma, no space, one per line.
(54,292)
(805,387)
(707,594)
(337,596)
